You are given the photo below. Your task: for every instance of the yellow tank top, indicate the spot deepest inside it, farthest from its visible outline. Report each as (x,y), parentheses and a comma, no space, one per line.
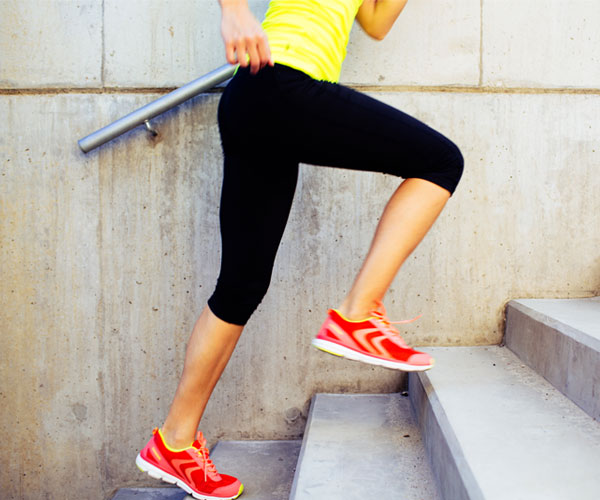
(311,35)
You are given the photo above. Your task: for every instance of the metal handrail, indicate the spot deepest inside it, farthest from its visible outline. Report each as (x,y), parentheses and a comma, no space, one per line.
(143,115)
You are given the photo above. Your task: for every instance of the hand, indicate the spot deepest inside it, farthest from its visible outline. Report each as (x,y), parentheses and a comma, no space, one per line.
(245,41)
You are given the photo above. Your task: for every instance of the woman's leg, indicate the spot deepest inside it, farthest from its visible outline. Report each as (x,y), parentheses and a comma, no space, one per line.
(258,189)
(209,348)
(409,214)
(256,199)
(172,454)
(340,127)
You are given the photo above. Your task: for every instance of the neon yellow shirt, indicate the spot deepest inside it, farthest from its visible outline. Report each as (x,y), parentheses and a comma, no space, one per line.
(311,35)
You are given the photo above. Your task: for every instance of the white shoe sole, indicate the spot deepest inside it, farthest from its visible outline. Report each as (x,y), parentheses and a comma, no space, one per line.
(345,352)
(157,473)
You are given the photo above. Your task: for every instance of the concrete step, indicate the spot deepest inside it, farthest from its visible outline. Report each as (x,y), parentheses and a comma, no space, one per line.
(168,493)
(362,446)
(265,467)
(560,339)
(496,430)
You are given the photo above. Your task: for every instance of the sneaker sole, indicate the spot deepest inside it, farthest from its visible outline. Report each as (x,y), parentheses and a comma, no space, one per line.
(345,352)
(157,473)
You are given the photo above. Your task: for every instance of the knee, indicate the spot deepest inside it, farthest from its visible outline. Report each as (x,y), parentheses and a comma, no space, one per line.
(449,165)
(456,162)
(236,302)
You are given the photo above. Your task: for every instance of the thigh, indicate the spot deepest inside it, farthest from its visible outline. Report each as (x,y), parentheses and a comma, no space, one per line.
(340,127)
(255,203)
(256,198)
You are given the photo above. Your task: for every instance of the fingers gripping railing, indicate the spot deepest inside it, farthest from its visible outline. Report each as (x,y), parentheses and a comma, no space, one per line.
(143,115)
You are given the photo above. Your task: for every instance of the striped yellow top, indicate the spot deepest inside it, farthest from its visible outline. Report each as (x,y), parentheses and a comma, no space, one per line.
(311,35)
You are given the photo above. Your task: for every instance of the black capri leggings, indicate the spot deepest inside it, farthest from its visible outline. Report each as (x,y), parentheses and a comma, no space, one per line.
(272,121)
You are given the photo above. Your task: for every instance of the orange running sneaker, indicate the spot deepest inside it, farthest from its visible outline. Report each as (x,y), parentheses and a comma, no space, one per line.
(190,468)
(373,340)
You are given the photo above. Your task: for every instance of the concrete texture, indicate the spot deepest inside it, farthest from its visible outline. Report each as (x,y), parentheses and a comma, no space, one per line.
(516,435)
(158,43)
(265,467)
(418,51)
(154,43)
(540,43)
(362,446)
(579,318)
(151,494)
(449,466)
(560,339)
(47,43)
(106,260)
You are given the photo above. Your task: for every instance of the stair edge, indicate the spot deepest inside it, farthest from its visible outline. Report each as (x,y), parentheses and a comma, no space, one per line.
(460,482)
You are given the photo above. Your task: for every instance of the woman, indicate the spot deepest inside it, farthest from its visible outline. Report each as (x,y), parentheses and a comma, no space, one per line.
(284,107)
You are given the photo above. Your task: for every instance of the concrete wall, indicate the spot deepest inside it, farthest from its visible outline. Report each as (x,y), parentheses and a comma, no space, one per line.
(106,258)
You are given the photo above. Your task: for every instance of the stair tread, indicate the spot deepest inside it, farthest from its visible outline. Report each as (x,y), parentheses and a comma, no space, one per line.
(580,315)
(362,446)
(560,339)
(168,493)
(265,467)
(520,437)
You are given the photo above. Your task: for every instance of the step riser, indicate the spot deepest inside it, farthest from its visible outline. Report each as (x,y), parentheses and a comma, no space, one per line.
(294,489)
(452,474)
(358,447)
(554,351)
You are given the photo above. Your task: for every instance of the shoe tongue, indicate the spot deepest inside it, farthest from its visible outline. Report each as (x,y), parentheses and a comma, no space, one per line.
(380,318)
(394,334)
(198,445)
(200,441)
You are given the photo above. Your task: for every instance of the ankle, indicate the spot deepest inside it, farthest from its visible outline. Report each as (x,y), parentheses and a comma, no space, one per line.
(356,310)
(175,440)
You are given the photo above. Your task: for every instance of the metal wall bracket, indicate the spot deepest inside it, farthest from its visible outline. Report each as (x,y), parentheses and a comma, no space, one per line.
(149,128)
